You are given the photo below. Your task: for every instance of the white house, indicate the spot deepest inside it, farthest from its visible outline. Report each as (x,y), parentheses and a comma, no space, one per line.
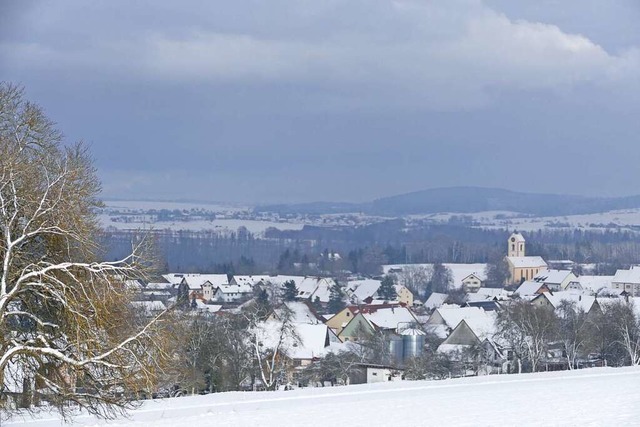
(627,280)
(556,280)
(229,293)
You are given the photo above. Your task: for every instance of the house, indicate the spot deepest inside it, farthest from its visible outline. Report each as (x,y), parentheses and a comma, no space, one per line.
(149,308)
(314,339)
(248,280)
(199,285)
(300,311)
(361,290)
(488,305)
(435,300)
(595,284)
(309,288)
(371,373)
(382,317)
(357,329)
(530,289)
(302,345)
(492,294)
(444,319)
(474,281)
(627,280)
(555,299)
(521,267)
(476,332)
(227,293)
(365,291)
(341,319)
(556,280)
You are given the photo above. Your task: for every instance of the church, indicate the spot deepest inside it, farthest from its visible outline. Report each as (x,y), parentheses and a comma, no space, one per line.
(521,267)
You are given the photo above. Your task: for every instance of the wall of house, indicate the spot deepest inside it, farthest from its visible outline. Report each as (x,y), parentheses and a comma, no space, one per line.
(517,274)
(462,335)
(356,329)
(342,318)
(631,288)
(405,296)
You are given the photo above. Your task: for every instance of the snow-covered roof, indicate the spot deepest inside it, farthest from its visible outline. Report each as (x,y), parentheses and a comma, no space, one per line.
(452,315)
(207,308)
(585,302)
(595,283)
(149,306)
(482,323)
(159,286)
(526,261)
(309,287)
(301,313)
(484,294)
(529,288)
(628,276)
(249,280)
(235,289)
(363,289)
(554,277)
(388,317)
(134,285)
(195,280)
(435,300)
(312,338)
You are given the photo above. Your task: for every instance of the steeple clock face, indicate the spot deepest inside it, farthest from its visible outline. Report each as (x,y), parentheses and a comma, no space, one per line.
(513,239)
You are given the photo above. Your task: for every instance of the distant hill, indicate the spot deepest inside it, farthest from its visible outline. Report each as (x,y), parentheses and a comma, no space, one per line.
(469,200)
(477,199)
(315,208)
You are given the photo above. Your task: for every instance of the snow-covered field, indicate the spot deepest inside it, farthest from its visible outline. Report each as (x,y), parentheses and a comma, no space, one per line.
(625,219)
(592,397)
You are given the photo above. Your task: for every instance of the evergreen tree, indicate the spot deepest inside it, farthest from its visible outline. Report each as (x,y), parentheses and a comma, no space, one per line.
(317,305)
(290,291)
(182,299)
(336,300)
(387,290)
(441,279)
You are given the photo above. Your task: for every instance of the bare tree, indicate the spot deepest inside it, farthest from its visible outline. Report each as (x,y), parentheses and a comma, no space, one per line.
(627,329)
(526,330)
(415,278)
(65,329)
(271,340)
(573,331)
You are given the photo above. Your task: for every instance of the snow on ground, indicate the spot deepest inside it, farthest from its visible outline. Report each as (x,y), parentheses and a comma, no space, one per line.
(594,397)
(626,218)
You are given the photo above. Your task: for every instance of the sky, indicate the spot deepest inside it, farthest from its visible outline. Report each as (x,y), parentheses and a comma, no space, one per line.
(336,100)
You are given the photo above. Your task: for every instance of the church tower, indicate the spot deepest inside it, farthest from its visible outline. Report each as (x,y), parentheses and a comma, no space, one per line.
(516,245)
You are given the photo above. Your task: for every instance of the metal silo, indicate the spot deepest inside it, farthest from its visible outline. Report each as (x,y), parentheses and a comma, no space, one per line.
(412,343)
(396,345)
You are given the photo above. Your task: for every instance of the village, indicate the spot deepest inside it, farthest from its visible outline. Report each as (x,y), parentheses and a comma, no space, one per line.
(413,321)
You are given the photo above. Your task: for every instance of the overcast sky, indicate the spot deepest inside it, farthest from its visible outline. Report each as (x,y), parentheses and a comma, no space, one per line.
(340,100)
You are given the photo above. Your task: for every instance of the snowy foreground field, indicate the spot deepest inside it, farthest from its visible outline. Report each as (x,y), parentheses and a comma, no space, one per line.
(601,396)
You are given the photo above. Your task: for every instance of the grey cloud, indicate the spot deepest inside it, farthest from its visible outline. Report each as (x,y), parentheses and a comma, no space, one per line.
(336,100)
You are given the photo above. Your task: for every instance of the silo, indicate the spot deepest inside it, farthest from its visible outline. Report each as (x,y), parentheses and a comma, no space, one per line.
(412,343)
(396,344)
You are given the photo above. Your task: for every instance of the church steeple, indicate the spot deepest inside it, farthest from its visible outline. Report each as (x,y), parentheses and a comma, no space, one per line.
(516,245)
